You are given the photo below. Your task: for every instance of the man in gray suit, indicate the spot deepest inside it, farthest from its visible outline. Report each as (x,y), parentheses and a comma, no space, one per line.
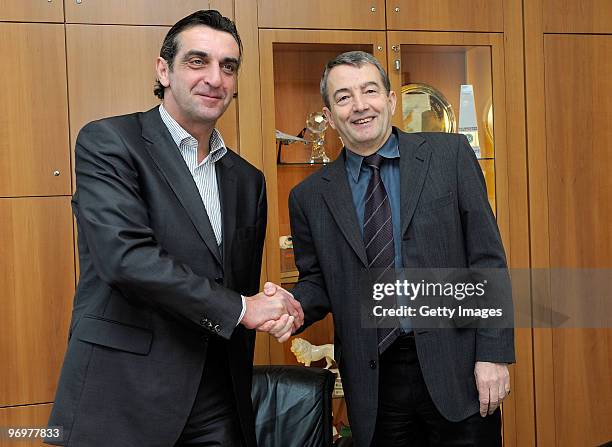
(171,227)
(394,200)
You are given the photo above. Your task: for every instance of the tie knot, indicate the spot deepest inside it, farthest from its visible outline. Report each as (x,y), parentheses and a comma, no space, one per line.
(374,161)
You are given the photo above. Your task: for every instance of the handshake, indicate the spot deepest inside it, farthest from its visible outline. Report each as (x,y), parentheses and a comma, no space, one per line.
(274,311)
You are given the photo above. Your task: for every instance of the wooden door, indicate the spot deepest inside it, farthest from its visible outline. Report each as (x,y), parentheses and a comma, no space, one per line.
(32,10)
(34,158)
(139,12)
(37,283)
(322,14)
(573,365)
(446,15)
(568,114)
(571,16)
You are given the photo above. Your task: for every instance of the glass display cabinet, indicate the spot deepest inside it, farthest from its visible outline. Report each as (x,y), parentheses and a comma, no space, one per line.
(452,82)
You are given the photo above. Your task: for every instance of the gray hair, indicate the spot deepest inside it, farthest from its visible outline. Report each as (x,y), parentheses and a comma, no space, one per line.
(356,59)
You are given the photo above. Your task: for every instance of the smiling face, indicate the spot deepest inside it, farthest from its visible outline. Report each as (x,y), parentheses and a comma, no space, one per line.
(202,81)
(360,107)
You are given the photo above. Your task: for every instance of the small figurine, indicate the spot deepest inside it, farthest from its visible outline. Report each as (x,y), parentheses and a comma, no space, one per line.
(307,353)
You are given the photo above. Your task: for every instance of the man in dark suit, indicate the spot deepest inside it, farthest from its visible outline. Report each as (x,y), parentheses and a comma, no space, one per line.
(394,200)
(171,227)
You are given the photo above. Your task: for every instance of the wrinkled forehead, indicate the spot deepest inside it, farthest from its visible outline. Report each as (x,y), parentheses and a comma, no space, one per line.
(348,76)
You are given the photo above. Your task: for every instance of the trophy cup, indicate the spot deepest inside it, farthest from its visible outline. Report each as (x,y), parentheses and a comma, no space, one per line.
(316,123)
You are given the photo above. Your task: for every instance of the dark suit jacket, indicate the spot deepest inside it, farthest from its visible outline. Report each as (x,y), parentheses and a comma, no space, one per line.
(446,222)
(154,288)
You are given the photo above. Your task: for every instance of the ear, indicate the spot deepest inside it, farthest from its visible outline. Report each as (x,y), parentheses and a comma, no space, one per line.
(392,101)
(163,71)
(329,117)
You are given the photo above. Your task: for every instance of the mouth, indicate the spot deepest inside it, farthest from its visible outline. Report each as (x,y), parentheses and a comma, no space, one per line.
(210,96)
(363,121)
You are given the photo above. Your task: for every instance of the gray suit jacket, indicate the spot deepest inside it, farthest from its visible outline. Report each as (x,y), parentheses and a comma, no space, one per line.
(154,287)
(446,222)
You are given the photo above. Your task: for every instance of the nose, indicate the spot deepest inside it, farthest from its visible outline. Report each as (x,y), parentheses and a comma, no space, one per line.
(213,76)
(359,103)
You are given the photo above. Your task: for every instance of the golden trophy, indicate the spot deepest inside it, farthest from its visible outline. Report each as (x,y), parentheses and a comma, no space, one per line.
(316,123)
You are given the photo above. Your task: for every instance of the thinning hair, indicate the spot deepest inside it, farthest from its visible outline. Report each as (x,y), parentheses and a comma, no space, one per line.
(355,59)
(210,18)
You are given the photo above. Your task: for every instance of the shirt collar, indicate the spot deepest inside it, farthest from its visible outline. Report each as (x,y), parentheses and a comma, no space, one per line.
(181,137)
(388,150)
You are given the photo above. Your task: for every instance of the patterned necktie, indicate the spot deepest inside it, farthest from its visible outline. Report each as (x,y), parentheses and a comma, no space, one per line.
(378,237)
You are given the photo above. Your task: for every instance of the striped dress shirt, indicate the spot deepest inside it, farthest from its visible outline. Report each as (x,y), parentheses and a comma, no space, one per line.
(204,174)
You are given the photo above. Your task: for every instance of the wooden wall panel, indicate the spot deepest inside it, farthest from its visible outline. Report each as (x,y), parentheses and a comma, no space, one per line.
(579,138)
(322,14)
(132,12)
(577,16)
(32,10)
(543,377)
(34,120)
(445,15)
(226,7)
(37,283)
(111,71)
(26,416)
(519,408)
(248,110)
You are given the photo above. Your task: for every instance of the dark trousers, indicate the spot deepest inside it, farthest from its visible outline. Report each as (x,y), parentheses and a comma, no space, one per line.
(408,417)
(213,420)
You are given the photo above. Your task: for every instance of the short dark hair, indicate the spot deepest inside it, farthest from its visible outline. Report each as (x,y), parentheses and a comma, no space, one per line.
(211,18)
(356,59)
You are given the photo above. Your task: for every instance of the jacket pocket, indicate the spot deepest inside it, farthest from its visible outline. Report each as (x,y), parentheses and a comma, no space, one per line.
(113,334)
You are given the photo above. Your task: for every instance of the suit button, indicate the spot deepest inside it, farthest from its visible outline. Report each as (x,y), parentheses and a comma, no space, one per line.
(373,364)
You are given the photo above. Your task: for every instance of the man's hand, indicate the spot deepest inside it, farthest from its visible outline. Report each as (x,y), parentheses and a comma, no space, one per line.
(270,306)
(493,383)
(281,329)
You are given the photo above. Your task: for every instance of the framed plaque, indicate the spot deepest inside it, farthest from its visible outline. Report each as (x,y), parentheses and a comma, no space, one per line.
(425,109)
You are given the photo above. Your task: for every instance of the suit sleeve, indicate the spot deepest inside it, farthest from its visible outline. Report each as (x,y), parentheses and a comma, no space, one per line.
(310,290)
(484,250)
(112,215)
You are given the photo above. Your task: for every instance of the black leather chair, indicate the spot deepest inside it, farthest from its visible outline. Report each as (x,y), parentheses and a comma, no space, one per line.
(292,406)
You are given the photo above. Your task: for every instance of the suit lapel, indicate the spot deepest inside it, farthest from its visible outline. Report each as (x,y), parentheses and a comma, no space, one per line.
(228,196)
(169,161)
(339,199)
(415,154)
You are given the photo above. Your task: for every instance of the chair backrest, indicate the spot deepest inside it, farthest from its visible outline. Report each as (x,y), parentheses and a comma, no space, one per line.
(292,406)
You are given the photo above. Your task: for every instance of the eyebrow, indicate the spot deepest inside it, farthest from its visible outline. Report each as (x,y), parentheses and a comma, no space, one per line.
(362,86)
(191,53)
